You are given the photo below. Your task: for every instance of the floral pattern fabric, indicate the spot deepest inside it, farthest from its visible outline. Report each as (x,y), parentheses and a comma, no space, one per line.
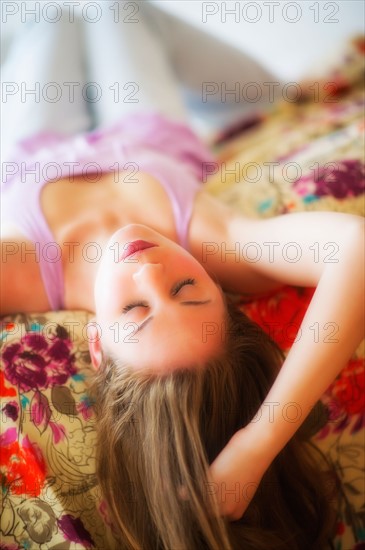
(50,495)
(310,157)
(342,438)
(299,157)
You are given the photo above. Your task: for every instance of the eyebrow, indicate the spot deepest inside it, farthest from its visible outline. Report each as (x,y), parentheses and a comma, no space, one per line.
(185,303)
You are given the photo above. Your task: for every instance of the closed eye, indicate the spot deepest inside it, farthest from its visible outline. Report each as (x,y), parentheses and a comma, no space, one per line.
(174,291)
(133,305)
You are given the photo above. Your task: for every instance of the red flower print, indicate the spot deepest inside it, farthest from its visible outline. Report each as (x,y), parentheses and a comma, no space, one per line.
(340,179)
(4,391)
(281,314)
(349,388)
(37,362)
(23,468)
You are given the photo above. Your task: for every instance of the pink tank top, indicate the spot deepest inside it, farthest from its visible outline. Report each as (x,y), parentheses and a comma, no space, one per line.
(148,142)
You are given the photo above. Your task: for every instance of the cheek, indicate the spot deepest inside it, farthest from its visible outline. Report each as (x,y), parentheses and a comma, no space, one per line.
(187,263)
(109,286)
(118,332)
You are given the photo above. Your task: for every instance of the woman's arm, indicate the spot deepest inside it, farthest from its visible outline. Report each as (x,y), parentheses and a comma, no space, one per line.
(21,286)
(325,250)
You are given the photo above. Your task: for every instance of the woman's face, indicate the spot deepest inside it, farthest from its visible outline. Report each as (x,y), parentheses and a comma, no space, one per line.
(157,307)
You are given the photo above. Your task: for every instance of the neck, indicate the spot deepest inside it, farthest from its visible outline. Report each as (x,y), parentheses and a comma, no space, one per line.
(82,256)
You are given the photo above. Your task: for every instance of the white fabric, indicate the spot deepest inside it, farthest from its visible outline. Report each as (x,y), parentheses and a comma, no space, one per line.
(89,74)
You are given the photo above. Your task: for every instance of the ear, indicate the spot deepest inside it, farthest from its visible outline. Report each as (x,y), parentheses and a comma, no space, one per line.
(93,332)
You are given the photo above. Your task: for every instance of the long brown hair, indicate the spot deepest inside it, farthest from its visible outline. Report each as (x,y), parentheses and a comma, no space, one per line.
(156,434)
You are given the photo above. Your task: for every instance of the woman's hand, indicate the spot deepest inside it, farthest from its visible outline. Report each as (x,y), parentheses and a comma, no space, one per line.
(235,474)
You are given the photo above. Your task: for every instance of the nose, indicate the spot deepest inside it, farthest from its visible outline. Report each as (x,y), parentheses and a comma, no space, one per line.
(149,275)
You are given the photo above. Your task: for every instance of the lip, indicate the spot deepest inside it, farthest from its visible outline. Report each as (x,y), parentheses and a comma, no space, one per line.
(134,247)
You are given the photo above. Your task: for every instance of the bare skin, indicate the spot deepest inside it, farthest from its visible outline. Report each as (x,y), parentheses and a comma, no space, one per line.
(82,212)
(292,249)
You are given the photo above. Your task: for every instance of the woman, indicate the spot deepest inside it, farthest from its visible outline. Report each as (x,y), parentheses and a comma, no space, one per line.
(189,397)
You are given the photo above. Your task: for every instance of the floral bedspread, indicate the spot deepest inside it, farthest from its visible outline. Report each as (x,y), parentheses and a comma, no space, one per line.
(307,156)
(50,493)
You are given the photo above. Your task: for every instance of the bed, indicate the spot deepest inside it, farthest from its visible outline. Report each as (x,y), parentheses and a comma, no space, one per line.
(296,156)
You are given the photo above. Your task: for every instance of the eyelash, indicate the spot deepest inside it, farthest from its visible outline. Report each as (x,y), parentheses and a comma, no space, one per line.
(175,291)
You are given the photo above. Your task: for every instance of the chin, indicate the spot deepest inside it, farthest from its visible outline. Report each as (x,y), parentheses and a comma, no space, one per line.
(130,232)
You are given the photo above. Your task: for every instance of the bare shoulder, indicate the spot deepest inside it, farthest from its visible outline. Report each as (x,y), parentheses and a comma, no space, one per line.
(21,285)
(209,224)
(216,244)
